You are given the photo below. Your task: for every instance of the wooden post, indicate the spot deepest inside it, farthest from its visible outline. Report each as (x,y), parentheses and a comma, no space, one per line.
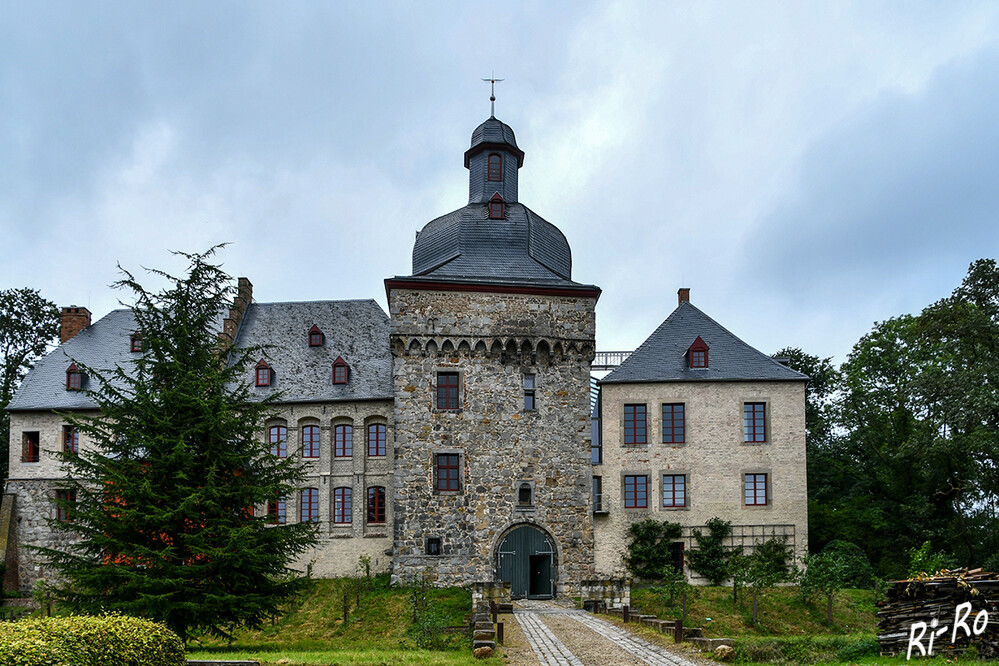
(494,609)
(683,619)
(499,633)
(678,631)
(625,613)
(346,607)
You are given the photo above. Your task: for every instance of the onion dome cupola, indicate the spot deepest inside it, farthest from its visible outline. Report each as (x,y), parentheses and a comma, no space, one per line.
(492,162)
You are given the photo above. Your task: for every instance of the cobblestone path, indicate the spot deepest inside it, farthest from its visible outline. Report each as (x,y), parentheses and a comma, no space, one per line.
(587,639)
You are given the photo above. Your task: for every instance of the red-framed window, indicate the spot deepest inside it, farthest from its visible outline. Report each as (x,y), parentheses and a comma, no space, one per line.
(277,437)
(756,489)
(74,378)
(636,491)
(697,353)
(343,505)
(277,511)
(316,337)
(310,441)
(341,371)
(447,390)
(447,468)
(308,507)
(635,429)
(376,440)
(754,422)
(497,209)
(70,440)
(343,441)
(376,504)
(65,499)
(263,373)
(674,490)
(674,431)
(495,170)
(30,447)
(135,342)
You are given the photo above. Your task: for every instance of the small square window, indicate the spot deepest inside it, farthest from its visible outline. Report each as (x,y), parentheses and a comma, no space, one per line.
(433,546)
(447,391)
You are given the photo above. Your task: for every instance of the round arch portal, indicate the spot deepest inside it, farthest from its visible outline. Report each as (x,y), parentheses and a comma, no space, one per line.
(526,558)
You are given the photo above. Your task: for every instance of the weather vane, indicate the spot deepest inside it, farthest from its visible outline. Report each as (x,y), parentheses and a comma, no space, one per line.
(492,94)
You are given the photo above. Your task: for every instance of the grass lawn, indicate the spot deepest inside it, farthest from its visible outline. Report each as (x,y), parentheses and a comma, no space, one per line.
(312,630)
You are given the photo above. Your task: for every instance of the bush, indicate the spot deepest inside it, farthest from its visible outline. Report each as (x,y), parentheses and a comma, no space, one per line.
(110,640)
(859,573)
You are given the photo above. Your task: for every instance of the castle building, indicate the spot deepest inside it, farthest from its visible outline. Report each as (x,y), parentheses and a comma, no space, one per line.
(452,437)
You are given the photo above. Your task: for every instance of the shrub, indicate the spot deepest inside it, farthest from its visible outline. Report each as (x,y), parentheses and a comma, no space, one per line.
(110,640)
(859,573)
(711,558)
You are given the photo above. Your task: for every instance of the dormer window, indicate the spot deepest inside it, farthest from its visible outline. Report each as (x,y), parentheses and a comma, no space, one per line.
(316,337)
(74,378)
(341,371)
(495,171)
(497,209)
(263,373)
(136,342)
(698,354)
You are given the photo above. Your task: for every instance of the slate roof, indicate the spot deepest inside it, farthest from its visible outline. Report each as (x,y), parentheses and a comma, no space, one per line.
(466,245)
(493,131)
(356,330)
(662,357)
(103,345)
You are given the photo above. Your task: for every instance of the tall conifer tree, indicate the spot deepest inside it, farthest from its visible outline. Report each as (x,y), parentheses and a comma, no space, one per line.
(164,501)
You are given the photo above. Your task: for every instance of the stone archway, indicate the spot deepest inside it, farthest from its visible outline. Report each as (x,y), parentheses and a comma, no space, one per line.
(526,558)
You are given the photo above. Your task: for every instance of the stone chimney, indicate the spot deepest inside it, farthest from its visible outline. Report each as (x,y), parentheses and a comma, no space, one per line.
(244,296)
(682,296)
(74,320)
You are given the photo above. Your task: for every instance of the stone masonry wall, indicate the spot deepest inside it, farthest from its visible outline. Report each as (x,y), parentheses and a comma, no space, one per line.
(492,340)
(713,457)
(34,507)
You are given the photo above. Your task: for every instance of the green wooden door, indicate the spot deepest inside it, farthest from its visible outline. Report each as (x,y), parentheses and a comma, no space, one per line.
(526,559)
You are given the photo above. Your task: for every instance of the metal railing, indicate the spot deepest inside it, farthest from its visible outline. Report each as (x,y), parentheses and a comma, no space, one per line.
(608,360)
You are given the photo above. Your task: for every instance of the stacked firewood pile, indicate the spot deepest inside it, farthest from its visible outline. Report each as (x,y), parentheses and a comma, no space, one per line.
(924,611)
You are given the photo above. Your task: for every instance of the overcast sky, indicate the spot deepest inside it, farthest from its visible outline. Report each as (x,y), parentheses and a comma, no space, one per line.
(805,168)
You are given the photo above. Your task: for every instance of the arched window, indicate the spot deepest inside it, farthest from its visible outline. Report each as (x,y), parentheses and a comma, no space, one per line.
(277,437)
(343,441)
(263,373)
(308,508)
(316,337)
(74,378)
(310,441)
(342,505)
(495,170)
(376,440)
(376,504)
(497,209)
(341,371)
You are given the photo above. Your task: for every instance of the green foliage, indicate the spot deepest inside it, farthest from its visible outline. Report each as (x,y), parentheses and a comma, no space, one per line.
(806,650)
(28,324)
(164,500)
(648,554)
(858,572)
(826,573)
(89,641)
(673,586)
(711,557)
(430,621)
(924,561)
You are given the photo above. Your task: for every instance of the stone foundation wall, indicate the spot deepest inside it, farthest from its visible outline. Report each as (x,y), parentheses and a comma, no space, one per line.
(34,506)
(490,591)
(611,592)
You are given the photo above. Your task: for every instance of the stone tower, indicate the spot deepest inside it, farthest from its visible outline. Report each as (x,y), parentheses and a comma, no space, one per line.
(492,343)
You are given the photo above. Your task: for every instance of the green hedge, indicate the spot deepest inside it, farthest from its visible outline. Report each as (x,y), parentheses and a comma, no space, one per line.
(110,640)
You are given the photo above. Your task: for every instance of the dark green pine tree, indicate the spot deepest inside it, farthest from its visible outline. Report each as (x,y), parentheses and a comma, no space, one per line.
(164,504)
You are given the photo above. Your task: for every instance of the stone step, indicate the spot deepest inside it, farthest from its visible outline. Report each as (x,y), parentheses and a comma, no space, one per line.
(481,644)
(483,635)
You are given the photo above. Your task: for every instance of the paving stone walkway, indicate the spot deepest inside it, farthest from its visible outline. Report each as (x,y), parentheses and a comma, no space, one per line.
(551,651)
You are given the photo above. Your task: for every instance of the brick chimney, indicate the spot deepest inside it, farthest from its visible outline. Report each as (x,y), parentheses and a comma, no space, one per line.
(74,319)
(244,296)
(682,296)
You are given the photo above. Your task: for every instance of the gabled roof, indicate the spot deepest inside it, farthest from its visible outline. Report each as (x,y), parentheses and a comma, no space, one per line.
(105,344)
(357,330)
(663,356)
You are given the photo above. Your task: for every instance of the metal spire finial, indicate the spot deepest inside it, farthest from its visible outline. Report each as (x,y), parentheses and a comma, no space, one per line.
(492,94)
